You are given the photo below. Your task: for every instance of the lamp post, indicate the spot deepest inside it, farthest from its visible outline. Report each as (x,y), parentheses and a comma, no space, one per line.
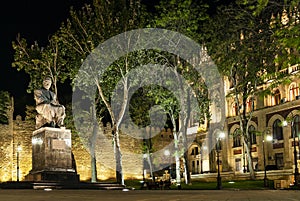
(219,179)
(295,154)
(296,172)
(19,148)
(267,138)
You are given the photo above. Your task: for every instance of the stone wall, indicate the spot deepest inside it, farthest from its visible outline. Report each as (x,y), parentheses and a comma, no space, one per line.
(6,153)
(18,134)
(22,132)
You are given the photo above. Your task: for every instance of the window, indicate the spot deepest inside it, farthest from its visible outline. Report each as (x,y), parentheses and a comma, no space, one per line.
(277,97)
(236,138)
(252,134)
(294,91)
(195,151)
(238,164)
(296,123)
(277,130)
(234,109)
(195,167)
(250,105)
(255,163)
(279,160)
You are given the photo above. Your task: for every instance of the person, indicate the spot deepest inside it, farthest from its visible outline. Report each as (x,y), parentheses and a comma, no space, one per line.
(49,112)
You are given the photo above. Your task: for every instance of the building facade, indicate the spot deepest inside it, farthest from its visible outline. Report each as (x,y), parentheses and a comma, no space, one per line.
(276,115)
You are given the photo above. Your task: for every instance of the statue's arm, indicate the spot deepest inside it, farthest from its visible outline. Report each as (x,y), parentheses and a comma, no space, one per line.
(54,102)
(40,98)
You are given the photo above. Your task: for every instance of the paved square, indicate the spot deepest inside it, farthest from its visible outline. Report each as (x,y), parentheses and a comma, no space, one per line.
(148,195)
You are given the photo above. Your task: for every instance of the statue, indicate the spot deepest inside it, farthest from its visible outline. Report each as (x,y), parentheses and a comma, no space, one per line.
(50,112)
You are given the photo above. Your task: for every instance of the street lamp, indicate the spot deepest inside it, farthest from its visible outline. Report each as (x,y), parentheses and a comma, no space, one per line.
(19,148)
(219,179)
(268,138)
(244,159)
(295,154)
(285,123)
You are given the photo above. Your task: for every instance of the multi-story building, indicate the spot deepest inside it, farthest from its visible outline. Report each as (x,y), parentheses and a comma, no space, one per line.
(276,115)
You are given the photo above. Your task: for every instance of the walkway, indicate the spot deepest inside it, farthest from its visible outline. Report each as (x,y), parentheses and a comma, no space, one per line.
(149,195)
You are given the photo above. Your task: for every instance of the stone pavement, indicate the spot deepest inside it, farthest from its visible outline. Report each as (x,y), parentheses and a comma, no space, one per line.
(148,195)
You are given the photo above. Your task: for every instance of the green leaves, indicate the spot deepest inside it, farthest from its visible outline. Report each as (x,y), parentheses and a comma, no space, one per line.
(288,43)
(38,61)
(183,16)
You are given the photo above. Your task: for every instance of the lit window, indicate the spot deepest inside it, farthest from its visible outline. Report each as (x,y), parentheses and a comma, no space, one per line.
(252,134)
(294,91)
(277,97)
(236,138)
(296,126)
(250,105)
(234,109)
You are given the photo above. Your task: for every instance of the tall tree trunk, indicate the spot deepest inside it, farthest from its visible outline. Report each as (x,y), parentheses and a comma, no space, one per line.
(93,147)
(185,144)
(148,145)
(247,142)
(149,159)
(118,157)
(93,168)
(249,157)
(185,151)
(177,161)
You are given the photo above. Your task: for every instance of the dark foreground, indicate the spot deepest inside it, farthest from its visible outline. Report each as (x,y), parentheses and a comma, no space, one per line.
(148,195)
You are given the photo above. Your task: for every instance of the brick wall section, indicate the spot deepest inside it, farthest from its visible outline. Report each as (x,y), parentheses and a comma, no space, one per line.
(6,153)
(18,133)
(22,131)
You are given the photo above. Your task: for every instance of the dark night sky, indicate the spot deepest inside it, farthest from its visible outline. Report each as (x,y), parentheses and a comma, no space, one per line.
(35,20)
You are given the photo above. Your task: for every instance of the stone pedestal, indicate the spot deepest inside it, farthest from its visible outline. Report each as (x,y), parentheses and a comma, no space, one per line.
(52,156)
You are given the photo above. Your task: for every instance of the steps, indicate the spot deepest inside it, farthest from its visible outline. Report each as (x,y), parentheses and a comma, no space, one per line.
(61,185)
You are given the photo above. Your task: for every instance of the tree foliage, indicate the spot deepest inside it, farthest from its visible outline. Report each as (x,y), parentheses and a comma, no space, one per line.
(240,41)
(287,35)
(39,62)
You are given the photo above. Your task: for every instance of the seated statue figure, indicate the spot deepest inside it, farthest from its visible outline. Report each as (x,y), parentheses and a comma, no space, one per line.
(49,112)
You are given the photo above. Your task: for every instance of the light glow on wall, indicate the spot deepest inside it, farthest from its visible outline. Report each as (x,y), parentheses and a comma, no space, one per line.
(37,141)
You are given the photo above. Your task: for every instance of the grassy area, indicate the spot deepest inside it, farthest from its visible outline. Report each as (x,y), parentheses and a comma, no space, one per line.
(198,185)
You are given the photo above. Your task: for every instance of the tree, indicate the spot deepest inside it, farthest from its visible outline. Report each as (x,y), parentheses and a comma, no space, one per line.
(140,105)
(185,17)
(287,35)
(239,40)
(38,61)
(82,33)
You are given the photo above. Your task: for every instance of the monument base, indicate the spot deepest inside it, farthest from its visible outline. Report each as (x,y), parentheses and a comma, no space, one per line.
(52,159)
(53,176)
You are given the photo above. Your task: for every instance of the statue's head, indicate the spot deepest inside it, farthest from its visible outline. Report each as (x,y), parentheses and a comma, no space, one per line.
(47,82)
